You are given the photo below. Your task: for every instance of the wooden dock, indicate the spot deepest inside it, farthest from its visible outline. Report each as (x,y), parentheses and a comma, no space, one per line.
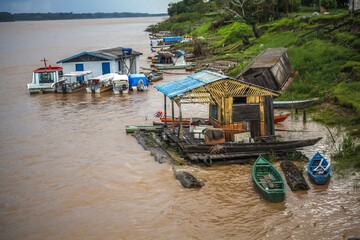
(198,152)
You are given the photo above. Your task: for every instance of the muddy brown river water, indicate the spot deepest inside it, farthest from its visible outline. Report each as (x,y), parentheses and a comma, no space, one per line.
(69,171)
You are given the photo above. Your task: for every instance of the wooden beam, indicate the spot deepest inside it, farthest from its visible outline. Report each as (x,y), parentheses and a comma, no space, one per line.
(172,116)
(165,113)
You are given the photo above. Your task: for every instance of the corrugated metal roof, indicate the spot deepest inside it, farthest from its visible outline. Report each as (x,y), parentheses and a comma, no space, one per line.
(106,54)
(268,58)
(186,84)
(83,54)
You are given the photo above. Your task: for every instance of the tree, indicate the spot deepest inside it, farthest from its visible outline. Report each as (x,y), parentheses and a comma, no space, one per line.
(6,17)
(247,10)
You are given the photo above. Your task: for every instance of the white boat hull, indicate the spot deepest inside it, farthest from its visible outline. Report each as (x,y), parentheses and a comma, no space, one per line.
(121,84)
(98,89)
(36,88)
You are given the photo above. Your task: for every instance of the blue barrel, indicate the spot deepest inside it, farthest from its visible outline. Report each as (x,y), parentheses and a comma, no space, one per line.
(127,51)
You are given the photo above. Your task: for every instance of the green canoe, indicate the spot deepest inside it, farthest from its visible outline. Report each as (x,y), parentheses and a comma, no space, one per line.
(151,128)
(268,180)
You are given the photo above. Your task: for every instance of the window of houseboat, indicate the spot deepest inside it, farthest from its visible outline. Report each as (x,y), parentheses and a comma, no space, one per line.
(46,77)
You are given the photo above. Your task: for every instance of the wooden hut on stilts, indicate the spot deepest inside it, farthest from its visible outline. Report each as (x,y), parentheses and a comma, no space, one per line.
(234,106)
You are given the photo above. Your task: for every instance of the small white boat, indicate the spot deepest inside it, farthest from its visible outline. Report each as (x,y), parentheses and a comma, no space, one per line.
(120,84)
(171,60)
(100,83)
(43,79)
(72,82)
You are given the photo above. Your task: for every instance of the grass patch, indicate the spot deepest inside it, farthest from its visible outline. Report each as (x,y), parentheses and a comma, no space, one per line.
(348,154)
(348,95)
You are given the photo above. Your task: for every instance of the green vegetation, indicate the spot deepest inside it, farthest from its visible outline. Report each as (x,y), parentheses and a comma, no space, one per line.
(326,63)
(348,154)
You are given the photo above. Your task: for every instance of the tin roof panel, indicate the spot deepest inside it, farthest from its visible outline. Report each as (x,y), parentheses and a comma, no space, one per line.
(178,87)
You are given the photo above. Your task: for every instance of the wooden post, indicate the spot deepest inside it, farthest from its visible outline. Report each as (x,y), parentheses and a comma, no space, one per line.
(304,116)
(165,113)
(172,116)
(181,134)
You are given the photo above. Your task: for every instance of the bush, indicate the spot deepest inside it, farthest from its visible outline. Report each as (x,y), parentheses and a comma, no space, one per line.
(348,154)
(328,4)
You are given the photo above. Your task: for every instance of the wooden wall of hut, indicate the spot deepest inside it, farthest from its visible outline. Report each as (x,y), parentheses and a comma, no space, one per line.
(241,114)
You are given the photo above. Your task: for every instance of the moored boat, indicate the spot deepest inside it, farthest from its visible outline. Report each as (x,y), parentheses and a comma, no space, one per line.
(269,146)
(297,104)
(100,83)
(43,78)
(277,118)
(120,84)
(71,82)
(146,128)
(268,180)
(171,60)
(281,117)
(319,169)
(155,76)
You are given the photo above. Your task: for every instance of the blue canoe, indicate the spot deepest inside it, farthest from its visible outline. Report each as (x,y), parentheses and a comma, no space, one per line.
(319,169)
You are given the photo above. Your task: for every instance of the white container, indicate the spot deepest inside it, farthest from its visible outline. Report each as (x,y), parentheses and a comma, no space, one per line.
(197,131)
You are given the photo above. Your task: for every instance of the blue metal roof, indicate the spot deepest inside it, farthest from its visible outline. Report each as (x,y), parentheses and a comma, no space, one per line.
(85,53)
(186,84)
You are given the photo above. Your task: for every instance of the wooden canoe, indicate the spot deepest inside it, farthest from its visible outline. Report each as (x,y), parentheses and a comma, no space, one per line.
(281,117)
(155,76)
(319,169)
(268,180)
(147,128)
(251,147)
(297,104)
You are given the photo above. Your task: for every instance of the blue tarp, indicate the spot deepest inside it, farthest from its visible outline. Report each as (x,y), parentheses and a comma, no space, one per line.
(135,78)
(186,84)
(172,39)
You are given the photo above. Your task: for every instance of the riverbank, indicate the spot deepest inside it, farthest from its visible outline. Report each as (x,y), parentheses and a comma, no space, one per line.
(323,50)
(325,65)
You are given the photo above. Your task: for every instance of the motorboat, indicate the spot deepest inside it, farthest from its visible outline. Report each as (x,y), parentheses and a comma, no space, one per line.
(100,83)
(120,84)
(72,82)
(43,78)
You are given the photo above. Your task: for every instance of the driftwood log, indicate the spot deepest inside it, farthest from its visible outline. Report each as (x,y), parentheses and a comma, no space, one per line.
(294,176)
(186,179)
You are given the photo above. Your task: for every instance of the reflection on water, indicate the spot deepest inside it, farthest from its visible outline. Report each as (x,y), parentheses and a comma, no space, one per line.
(68,170)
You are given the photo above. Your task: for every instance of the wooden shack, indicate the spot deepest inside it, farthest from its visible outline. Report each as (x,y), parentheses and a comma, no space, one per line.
(234,105)
(270,69)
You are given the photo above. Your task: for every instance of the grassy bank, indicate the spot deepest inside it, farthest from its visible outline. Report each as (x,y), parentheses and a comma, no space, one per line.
(326,65)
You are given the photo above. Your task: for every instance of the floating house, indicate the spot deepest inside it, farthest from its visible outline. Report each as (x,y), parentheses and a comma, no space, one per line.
(270,69)
(234,105)
(120,60)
